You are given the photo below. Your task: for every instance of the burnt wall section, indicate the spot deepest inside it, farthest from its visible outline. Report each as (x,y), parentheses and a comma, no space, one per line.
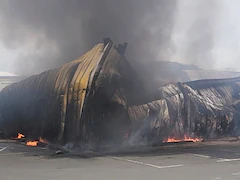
(206,108)
(84,101)
(116,88)
(50,104)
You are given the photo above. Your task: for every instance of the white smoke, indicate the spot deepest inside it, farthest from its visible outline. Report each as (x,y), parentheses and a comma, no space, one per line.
(207,34)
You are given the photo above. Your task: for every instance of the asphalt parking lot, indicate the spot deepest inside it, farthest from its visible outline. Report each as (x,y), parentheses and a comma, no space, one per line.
(199,161)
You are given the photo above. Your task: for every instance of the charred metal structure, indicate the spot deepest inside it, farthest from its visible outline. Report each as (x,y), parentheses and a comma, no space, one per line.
(83,101)
(204,108)
(99,98)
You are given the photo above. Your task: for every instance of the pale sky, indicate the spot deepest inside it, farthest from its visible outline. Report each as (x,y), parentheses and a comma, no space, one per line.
(226,51)
(7,59)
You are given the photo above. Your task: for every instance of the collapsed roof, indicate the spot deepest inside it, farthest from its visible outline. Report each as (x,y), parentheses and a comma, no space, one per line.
(99,98)
(204,108)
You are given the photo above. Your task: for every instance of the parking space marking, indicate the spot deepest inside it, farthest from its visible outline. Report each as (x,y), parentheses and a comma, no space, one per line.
(227,150)
(200,155)
(217,178)
(8,154)
(236,174)
(227,160)
(3,148)
(147,164)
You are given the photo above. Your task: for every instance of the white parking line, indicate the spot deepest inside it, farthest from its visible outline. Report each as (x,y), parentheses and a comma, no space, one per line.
(200,155)
(147,164)
(227,150)
(236,174)
(8,154)
(227,160)
(217,178)
(3,148)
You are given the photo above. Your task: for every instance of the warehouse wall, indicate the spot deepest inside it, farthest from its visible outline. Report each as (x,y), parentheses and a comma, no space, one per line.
(83,101)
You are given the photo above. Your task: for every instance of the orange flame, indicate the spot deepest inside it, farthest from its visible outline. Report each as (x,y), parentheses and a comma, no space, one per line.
(20,136)
(35,143)
(32,143)
(185,139)
(192,139)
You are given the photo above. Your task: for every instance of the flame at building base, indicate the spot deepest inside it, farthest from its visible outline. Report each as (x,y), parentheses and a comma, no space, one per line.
(35,143)
(19,136)
(32,143)
(185,139)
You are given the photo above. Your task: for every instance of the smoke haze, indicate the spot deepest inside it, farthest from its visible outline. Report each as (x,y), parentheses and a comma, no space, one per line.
(44,34)
(206,33)
(58,31)
(201,34)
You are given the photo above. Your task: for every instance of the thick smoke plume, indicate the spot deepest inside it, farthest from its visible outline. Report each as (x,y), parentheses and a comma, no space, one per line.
(201,33)
(54,32)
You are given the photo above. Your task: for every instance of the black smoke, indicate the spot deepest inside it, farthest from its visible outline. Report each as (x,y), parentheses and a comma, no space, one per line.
(59,31)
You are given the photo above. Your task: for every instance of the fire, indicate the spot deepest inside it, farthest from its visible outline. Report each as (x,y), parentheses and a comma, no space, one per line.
(35,143)
(185,139)
(173,140)
(20,136)
(192,139)
(32,143)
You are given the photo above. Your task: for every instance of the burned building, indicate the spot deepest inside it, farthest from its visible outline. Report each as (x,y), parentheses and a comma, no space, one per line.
(99,98)
(84,100)
(204,108)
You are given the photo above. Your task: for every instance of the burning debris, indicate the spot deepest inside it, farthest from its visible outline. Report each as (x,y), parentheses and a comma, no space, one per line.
(32,143)
(99,99)
(37,142)
(20,136)
(185,139)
